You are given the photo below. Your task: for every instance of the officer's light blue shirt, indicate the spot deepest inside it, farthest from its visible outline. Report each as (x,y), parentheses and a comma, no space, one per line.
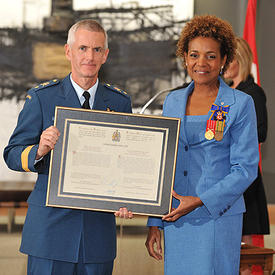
(79,92)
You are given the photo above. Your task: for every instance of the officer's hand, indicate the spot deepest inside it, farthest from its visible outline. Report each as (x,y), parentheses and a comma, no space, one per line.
(154,237)
(124,213)
(47,141)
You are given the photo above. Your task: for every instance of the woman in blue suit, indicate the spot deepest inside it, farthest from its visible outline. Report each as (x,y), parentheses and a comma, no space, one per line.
(217,158)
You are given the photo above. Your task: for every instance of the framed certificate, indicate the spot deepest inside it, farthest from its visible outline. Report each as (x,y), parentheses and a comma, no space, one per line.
(107,160)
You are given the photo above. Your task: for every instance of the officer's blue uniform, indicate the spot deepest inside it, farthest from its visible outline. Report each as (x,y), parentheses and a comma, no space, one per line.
(56,233)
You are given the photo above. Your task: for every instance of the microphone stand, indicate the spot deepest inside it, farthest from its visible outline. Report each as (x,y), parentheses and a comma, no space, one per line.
(152,99)
(159,93)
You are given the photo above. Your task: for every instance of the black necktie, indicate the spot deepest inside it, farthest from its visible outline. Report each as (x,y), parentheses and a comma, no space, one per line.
(86,104)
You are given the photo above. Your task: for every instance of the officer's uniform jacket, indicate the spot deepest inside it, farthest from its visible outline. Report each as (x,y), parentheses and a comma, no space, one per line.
(56,233)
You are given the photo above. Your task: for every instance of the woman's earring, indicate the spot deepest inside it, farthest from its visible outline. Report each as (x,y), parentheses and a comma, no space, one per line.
(221,71)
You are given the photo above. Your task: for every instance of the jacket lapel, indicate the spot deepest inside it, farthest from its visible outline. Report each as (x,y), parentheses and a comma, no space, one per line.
(225,97)
(189,90)
(178,107)
(101,99)
(67,95)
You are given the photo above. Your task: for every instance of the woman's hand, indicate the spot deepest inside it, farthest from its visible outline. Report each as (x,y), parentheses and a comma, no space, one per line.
(154,237)
(187,204)
(124,213)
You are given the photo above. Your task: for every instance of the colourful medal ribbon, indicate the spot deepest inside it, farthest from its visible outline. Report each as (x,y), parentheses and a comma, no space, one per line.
(210,129)
(216,123)
(219,130)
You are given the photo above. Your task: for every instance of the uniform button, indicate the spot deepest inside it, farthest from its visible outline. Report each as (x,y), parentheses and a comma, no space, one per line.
(186,148)
(221,213)
(185,173)
(228,207)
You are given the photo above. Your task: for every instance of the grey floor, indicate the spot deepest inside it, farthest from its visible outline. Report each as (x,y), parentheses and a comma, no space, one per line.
(132,256)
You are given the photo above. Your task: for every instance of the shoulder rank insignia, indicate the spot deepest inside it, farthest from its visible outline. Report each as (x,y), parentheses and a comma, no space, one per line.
(216,123)
(28,97)
(115,89)
(46,84)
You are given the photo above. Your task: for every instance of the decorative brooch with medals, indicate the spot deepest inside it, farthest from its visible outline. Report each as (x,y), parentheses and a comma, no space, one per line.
(216,122)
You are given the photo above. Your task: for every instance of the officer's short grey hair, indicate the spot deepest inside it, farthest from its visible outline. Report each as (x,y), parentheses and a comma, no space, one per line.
(87,24)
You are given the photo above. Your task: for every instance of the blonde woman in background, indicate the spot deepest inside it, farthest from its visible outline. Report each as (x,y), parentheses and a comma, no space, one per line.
(255,219)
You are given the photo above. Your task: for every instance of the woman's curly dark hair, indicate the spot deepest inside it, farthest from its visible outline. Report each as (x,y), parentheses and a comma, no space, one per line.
(208,26)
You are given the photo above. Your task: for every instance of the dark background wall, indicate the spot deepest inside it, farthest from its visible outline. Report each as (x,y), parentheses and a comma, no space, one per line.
(234,11)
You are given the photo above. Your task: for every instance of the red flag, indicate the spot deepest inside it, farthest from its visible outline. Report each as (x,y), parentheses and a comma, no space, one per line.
(249,35)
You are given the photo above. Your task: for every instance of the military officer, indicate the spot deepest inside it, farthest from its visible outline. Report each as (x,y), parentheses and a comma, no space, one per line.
(65,241)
